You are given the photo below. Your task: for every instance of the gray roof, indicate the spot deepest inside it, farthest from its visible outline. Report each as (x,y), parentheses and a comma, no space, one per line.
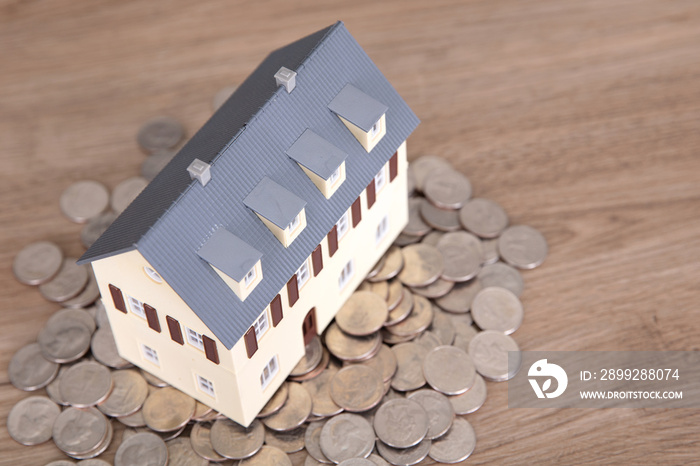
(274,202)
(357,107)
(245,141)
(230,254)
(316,154)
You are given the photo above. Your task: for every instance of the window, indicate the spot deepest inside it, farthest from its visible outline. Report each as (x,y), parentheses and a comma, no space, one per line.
(269,371)
(152,274)
(303,274)
(376,129)
(136,307)
(380,180)
(382,228)
(261,325)
(334,177)
(346,274)
(343,225)
(207,386)
(250,277)
(294,223)
(195,339)
(150,355)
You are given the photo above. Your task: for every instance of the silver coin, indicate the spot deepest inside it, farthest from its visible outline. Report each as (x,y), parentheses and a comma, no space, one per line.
(29,370)
(428,340)
(104,349)
(377,460)
(404,240)
(154,163)
(312,357)
(94,228)
(449,370)
(432,238)
(346,436)
(221,96)
(357,388)
(84,200)
(409,374)
(437,289)
(290,441)
(448,189)
(37,263)
(422,265)
(464,333)
(490,248)
(416,226)
(267,456)
(489,351)
(442,326)
(503,275)
(200,438)
(483,217)
(86,297)
(401,423)
(384,362)
(128,395)
(53,390)
(295,411)
(74,314)
(64,340)
(462,255)
(439,410)
(404,456)
(80,431)
(181,453)
(142,448)
(312,441)
(86,384)
(319,390)
(356,462)
(31,420)
(152,379)
(522,246)
(160,133)
(126,191)
(459,299)
(93,462)
(472,399)
(496,308)
(67,283)
(440,219)
(234,441)
(424,165)
(456,445)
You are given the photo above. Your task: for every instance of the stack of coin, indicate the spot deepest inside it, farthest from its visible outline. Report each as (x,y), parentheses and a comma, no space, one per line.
(389,380)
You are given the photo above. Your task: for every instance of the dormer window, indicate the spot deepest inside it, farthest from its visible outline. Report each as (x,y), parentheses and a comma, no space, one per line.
(235,261)
(279,209)
(322,162)
(363,115)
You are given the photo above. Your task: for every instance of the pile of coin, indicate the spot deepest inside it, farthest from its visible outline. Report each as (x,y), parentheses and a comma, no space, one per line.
(388,382)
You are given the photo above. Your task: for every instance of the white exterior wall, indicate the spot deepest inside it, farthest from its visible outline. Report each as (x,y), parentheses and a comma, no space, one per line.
(238,376)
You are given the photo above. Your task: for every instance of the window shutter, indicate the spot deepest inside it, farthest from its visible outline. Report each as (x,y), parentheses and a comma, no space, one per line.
(210,349)
(293,290)
(356,212)
(117,297)
(276,310)
(317,260)
(393,166)
(371,194)
(333,240)
(175,330)
(251,343)
(152,317)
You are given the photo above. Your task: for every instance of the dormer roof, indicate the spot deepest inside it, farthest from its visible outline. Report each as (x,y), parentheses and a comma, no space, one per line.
(230,254)
(275,203)
(315,153)
(357,107)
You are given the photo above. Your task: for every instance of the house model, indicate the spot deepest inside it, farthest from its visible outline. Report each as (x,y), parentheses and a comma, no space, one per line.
(247,244)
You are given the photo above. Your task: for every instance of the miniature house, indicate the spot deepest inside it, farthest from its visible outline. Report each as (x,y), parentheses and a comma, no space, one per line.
(247,244)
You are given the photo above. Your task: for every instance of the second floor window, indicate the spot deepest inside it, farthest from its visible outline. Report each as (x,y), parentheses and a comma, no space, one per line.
(343,225)
(249,278)
(195,339)
(261,325)
(380,179)
(136,307)
(303,274)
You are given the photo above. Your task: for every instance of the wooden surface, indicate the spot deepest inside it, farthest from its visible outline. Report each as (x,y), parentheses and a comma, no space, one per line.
(581,118)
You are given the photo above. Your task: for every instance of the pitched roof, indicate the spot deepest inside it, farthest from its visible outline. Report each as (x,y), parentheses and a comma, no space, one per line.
(245,141)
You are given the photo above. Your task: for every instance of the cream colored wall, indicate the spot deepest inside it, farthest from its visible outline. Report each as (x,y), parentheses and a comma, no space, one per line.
(326,188)
(244,397)
(178,363)
(241,290)
(362,136)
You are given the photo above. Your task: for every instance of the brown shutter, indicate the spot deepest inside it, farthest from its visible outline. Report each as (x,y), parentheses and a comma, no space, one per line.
(251,343)
(210,349)
(293,290)
(175,330)
(276,310)
(356,212)
(152,317)
(371,194)
(317,260)
(333,240)
(117,297)
(393,166)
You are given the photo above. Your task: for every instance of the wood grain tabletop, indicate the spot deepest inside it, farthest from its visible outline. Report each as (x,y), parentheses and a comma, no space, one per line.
(582,119)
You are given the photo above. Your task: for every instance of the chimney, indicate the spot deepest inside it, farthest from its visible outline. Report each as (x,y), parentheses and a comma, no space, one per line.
(287,78)
(200,171)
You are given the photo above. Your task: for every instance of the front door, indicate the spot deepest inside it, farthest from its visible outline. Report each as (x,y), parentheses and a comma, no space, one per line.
(309,326)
